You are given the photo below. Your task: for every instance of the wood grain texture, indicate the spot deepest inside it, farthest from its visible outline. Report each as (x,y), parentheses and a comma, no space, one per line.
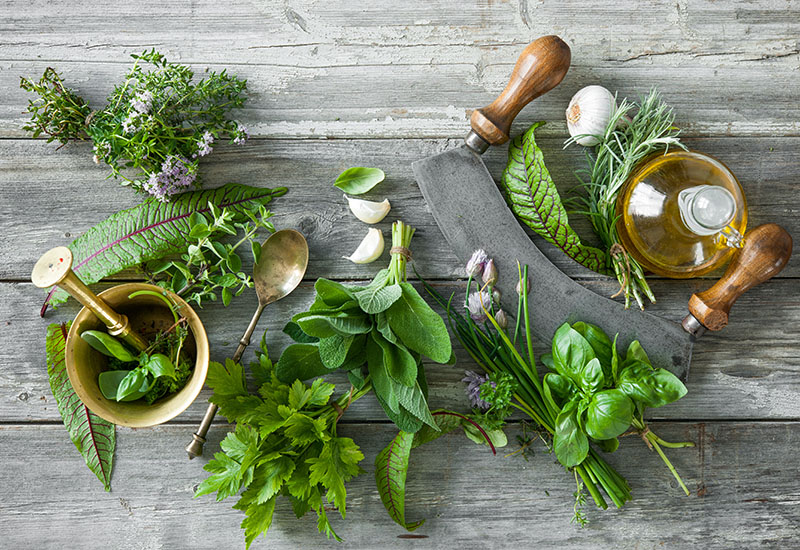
(741,475)
(73,194)
(377,69)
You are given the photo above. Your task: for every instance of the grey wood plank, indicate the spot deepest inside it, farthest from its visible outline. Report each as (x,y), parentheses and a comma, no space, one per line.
(741,475)
(416,70)
(751,369)
(52,196)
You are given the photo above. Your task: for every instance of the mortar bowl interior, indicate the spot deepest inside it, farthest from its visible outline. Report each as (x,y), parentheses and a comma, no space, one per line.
(147,315)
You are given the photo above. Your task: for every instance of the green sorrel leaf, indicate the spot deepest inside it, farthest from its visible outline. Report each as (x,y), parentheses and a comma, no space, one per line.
(533,197)
(358,180)
(391,467)
(151,231)
(94,437)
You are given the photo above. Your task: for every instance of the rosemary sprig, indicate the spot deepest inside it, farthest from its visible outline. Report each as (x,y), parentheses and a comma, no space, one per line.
(626,142)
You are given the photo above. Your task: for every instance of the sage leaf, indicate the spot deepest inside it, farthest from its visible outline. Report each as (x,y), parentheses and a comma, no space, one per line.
(94,437)
(294,332)
(107,345)
(391,468)
(332,293)
(381,381)
(359,180)
(377,300)
(152,230)
(299,362)
(419,327)
(413,401)
(397,361)
(333,350)
(534,199)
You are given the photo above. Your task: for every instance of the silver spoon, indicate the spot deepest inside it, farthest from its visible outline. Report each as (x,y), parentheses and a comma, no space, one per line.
(283,262)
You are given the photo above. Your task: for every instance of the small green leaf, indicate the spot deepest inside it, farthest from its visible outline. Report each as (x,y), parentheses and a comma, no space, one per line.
(609,414)
(134,385)
(160,365)
(234,262)
(255,248)
(107,345)
(226,296)
(358,180)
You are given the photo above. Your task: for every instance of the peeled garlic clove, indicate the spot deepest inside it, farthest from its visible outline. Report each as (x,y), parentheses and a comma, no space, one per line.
(589,112)
(369,250)
(368,211)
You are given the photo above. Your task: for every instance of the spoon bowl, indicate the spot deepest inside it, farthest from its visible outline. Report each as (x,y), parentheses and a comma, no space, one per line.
(283,262)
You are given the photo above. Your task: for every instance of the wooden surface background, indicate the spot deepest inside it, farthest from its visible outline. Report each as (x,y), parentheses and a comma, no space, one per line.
(341,83)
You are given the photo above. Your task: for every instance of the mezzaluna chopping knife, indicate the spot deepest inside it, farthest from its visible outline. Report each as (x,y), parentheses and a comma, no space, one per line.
(472,213)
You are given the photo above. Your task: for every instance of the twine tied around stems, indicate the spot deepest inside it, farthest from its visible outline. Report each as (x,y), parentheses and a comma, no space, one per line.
(402,250)
(616,251)
(643,434)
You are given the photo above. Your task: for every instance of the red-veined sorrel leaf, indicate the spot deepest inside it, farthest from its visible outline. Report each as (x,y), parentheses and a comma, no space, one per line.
(533,197)
(94,437)
(391,467)
(151,231)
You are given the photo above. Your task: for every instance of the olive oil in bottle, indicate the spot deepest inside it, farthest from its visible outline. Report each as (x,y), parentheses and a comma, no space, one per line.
(681,214)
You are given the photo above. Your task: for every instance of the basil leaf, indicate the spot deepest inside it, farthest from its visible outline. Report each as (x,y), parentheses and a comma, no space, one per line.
(109,380)
(134,385)
(600,343)
(558,385)
(569,442)
(636,353)
(609,414)
(571,352)
(160,365)
(107,345)
(359,180)
(419,327)
(591,376)
(299,362)
(608,445)
(547,361)
(378,299)
(614,362)
(648,386)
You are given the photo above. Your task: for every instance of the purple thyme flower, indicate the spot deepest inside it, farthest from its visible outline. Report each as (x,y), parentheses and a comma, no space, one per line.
(476,303)
(142,102)
(476,263)
(176,175)
(241,134)
(129,125)
(204,145)
(474,382)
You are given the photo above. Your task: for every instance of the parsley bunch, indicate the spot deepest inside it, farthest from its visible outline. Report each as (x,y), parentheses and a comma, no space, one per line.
(156,125)
(285,443)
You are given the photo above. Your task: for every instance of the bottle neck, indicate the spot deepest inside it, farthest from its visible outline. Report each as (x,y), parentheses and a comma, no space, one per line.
(709,210)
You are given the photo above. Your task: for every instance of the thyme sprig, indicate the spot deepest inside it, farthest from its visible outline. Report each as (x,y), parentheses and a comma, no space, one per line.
(627,141)
(156,125)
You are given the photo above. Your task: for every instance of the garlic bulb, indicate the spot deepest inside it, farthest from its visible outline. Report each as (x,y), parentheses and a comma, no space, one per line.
(369,250)
(368,211)
(589,112)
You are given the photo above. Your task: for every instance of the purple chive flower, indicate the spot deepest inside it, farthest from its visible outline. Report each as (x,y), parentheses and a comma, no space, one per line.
(476,263)
(489,273)
(476,303)
(176,175)
(473,389)
(241,135)
(204,145)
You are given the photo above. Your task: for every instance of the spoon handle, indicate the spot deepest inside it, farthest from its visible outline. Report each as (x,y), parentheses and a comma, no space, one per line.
(195,448)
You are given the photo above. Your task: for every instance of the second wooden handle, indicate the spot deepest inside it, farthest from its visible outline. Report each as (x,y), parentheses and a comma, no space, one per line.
(539,69)
(766,252)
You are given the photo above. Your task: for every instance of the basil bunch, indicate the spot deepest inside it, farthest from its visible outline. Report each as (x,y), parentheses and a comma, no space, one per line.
(599,394)
(378,332)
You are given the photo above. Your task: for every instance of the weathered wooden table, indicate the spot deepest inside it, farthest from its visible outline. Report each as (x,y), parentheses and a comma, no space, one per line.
(341,83)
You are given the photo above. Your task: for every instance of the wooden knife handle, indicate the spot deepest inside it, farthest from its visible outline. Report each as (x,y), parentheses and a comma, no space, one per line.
(539,69)
(766,252)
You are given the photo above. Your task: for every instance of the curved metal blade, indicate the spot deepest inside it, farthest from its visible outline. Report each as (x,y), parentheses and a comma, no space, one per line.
(472,213)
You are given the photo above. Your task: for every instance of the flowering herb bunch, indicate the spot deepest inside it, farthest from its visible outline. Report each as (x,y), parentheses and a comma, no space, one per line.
(156,126)
(591,394)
